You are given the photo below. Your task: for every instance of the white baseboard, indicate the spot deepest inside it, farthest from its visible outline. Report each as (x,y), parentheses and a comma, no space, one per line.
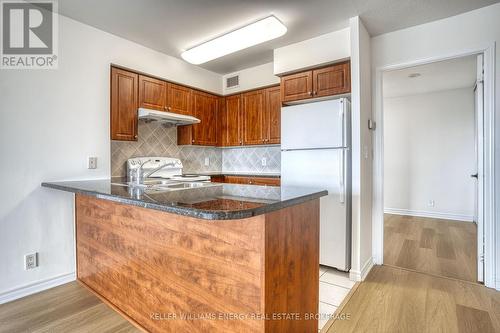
(355,275)
(36,287)
(434,215)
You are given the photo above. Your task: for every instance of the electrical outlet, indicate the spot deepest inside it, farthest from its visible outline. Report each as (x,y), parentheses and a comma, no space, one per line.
(264,161)
(31,261)
(431,203)
(207,161)
(92,163)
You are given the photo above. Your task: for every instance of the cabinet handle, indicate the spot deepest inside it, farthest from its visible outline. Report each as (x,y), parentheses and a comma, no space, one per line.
(169,108)
(310,93)
(166,108)
(315,92)
(135,136)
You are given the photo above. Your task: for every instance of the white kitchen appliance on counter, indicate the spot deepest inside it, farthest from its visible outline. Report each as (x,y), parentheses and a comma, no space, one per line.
(315,153)
(162,167)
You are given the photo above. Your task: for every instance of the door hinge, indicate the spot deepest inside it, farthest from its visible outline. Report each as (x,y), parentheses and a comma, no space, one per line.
(481,257)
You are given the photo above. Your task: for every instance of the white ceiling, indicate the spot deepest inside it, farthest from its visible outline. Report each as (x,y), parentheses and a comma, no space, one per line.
(172,26)
(437,76)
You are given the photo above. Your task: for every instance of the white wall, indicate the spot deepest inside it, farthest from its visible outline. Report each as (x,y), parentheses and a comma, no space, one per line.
(361,150)
(327,48)
(468,32)
(251,78)
(50,121)
(429,154)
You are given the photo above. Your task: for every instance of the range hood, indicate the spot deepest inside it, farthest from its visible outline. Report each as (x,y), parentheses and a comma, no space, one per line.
(166,117)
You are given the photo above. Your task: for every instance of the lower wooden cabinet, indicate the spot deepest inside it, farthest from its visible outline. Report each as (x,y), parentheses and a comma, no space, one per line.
(217,179)
(246,180)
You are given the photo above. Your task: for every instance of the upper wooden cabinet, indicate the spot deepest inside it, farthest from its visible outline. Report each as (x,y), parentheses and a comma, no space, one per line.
(231,121)
(204,107)
(253,111)
(296,86)
(332,80)
(152,93)
(326,81)
(178,99)
(251,118)
(124,104)
(272,120)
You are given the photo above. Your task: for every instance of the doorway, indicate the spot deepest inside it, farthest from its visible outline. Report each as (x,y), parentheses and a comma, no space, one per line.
(433,148)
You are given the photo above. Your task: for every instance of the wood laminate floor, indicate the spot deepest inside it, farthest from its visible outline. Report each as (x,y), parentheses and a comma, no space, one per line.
(69,308)
(441,247)
(393,299)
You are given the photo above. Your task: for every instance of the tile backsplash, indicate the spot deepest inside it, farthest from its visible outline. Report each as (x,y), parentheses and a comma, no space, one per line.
(158,140)
(249,159)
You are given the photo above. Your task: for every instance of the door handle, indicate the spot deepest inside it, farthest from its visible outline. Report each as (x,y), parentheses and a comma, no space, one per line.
(475,176)
(341,180)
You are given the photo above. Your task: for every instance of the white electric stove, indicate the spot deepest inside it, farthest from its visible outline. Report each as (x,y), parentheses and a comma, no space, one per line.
(167,168)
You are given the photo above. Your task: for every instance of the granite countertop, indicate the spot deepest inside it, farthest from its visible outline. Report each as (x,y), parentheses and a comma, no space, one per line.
(212,201)
(238,173)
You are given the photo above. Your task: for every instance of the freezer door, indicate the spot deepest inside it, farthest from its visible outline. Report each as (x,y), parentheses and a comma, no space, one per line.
(324,169)
(313,125)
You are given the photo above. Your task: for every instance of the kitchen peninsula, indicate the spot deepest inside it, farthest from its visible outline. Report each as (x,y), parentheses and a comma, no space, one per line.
(206,258)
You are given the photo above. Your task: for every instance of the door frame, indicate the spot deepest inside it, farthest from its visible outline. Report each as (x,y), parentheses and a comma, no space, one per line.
(488,154)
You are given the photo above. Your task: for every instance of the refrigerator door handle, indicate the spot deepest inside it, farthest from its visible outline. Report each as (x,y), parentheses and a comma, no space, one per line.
(341,177)
(342,121)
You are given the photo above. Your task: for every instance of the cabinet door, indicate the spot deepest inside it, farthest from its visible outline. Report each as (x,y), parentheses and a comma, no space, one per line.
(273,115)
(269,181)
(205,109)
(232,124)
(236,180)
(296,86)
(332,80)
(253,109)
(220,121)
(123,105)
(178,99)
(151,93)
(217,179)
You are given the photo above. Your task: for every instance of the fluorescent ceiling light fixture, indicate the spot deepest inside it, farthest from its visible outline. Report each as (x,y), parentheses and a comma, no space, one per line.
(250,35)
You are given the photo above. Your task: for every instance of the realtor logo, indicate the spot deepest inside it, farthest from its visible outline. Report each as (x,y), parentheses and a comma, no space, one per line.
(29,34)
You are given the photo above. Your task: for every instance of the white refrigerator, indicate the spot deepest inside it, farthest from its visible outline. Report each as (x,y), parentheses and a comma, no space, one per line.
(315,152)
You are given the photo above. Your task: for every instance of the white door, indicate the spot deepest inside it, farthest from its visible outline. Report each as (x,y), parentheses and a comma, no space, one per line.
(323,169)
(313,125)
(478,174)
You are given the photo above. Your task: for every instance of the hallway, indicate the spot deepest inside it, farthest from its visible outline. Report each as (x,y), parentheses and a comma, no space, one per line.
(440,247)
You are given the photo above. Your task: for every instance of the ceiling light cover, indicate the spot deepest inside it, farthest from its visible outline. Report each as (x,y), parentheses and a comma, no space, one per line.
(250,35)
